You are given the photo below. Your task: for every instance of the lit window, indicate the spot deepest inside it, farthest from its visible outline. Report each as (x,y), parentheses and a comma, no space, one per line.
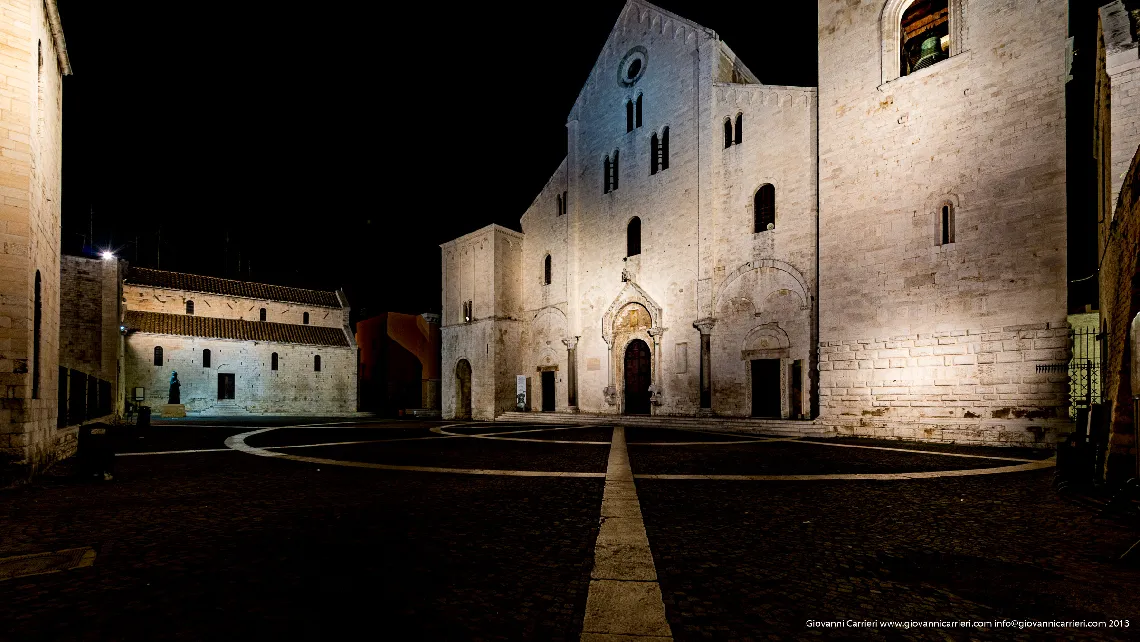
(924,35)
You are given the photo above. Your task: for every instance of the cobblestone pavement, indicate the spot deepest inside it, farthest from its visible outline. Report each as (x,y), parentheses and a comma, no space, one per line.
(221,544)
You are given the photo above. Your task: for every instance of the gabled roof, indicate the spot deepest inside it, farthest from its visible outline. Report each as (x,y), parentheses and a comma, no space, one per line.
(230,287)
(186,325)
(643,9)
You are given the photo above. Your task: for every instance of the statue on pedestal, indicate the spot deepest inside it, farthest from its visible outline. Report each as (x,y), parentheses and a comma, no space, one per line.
(175,393)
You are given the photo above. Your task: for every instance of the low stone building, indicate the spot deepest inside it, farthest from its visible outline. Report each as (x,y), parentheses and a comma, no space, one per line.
(238,347)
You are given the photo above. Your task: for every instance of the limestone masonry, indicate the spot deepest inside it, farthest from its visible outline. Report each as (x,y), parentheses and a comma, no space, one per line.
(885,253)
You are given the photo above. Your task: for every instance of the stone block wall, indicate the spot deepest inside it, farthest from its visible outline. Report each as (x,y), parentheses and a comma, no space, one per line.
(294,388)
(32,64)
(91,312)
(169,301)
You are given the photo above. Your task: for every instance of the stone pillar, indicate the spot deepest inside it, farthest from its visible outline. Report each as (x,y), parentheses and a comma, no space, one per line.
(655,397)
(705,326)
(571,373)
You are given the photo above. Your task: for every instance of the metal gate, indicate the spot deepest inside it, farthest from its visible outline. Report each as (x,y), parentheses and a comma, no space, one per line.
(1085,369)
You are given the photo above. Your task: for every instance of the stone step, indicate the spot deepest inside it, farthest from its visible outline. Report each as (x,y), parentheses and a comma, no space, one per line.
(777,427)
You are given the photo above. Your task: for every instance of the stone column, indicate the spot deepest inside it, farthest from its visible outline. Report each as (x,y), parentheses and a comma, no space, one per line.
(654,397)
(705,326)
(571,373)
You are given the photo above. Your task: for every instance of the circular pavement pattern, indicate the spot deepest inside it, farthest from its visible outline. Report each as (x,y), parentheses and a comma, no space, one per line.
(662,453)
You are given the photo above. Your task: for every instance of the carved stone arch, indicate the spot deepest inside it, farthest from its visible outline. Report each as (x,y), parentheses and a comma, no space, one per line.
(764,342)
(774,264)
(631,293)
(889,36)
(550,309)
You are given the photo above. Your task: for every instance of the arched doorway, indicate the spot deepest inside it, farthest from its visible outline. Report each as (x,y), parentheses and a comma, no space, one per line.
(463,390)
(637,378)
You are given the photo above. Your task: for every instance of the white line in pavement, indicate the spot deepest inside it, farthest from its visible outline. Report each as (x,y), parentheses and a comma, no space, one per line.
(1032,465)
(624,597)
(911,450)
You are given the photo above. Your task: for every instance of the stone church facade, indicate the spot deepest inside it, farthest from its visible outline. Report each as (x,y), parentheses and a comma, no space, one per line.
(884,254)
(238,347)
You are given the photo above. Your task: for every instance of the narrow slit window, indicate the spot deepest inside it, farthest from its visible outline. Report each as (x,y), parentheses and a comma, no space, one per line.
(317,363)
(206,358)
(158,355)
(37,322)
(665,148)
(637,112)
(727,133)
(189,307)
(654,153)
(764,204)
(566,202)
(305,318)
(946,225)
(273,361)
(262,313)
(614,172)
(558,199)
(546,270)
(607,170)
(739,128)
(633,237)
(628,116)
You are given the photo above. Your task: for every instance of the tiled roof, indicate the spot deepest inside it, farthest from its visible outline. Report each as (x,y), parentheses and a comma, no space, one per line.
(230,287)
(195,326)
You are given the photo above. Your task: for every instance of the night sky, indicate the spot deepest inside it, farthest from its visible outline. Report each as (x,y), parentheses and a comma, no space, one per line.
(337,147)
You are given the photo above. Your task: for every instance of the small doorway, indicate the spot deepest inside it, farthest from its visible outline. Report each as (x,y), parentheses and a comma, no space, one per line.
(637,378)
(463,390)
(548,391)
(225,385)
(766,388)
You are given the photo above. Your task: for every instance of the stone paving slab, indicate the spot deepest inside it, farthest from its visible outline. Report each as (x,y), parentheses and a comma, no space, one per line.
(471,453)
(634,434)
(790,458)
(757,560)
(297,436)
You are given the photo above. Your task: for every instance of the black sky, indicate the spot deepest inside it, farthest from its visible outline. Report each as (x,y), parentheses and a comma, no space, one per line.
(337,147)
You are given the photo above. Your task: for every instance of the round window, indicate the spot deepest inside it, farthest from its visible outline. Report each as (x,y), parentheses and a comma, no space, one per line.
(632,66)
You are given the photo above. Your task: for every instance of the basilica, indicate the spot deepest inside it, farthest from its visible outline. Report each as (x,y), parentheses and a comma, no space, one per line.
(884,254)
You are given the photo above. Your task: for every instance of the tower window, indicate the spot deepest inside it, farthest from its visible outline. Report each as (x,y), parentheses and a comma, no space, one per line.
(637,111)
(614,172)
(633,237)
(628,116)
(206,358)
(158,355)
(558,198)
(566,202)
(273,361)
(664,148)
(654,153)
(727,133)
(305,318)
(317,363)
(739,128)
(546,270)
(468,312)
(262,313)
(37,321)
(189,307)
(946,224)
(608,169)
(764,206)
(924,35)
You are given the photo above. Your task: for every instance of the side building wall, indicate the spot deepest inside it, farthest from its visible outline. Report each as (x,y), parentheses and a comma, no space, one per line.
(294,388)
(922,338)
(90,342)
(170,301)
(32,65)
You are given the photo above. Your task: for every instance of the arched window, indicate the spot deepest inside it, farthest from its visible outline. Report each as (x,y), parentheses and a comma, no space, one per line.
(946,224)
(305,318)
(206,358)
(614,171)
(546,270)
(739,128)
(273,361)
(637,112)
(558,198)
(764,204)
(189,307)
(727,133)
(924,35)
(158,355)
(633,237)
(566,202)
(665,148)
(262,313)
(37,321)
(606,166)
(628,116)
(654,154)
(317,363)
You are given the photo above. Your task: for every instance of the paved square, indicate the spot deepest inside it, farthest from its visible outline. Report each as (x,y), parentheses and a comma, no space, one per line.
(277,530)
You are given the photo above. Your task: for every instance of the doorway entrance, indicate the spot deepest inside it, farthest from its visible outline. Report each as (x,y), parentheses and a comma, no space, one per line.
(637,378)
(463,390)
(548,391)
(766,388)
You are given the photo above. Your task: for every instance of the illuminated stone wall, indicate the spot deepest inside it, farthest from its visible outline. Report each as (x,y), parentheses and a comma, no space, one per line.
(1118,100)
(90,315)
(30,164)
(982,132)
(169,301)
(294,388)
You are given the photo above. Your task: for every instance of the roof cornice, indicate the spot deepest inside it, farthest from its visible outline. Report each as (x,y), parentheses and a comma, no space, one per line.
(57,36)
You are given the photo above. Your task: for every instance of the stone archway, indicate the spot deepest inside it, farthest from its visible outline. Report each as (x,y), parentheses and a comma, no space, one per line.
(463,389)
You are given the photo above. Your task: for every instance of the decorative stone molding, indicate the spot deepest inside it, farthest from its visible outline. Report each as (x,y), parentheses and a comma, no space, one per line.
(630,293)
(705,325)
(570,342)
(773,264)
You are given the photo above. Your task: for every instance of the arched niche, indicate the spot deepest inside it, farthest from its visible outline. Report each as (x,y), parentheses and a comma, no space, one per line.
(767,341)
